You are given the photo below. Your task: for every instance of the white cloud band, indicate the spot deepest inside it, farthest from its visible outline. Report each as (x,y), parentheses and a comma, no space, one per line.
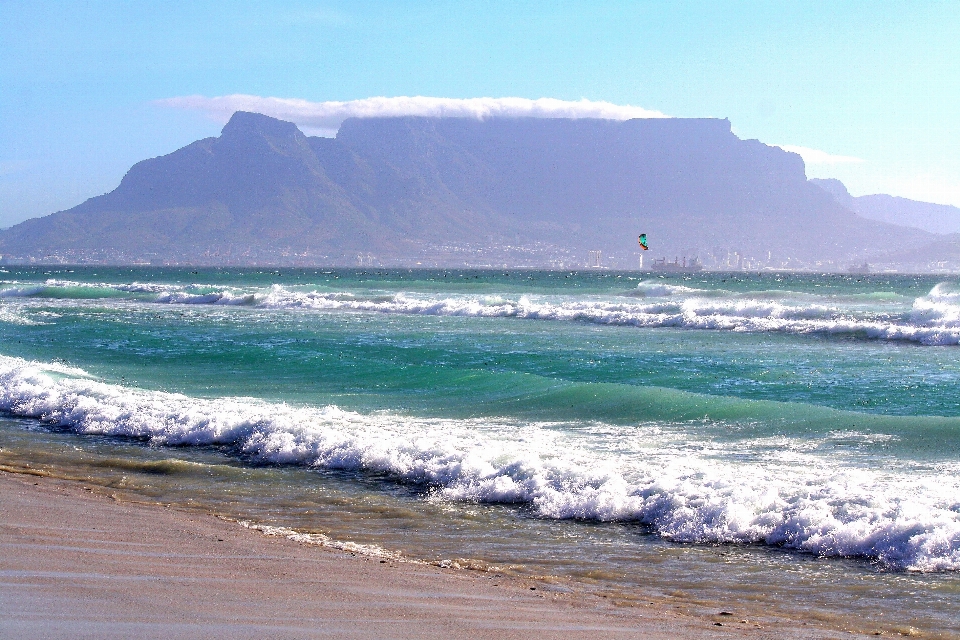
(815,156)
(327,116)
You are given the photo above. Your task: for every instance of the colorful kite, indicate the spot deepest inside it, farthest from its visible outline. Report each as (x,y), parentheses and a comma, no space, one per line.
(643,241)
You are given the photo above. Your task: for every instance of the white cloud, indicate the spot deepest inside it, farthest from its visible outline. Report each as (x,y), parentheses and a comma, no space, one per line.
(926,187)
(815,156)
(326,117)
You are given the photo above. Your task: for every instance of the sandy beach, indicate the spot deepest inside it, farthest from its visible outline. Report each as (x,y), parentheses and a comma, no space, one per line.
(79,564)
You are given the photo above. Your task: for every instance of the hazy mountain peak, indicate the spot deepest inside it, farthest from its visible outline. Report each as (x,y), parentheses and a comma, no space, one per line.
(836,189)
(257,134)
(935,218)
(244,124)
(832,186)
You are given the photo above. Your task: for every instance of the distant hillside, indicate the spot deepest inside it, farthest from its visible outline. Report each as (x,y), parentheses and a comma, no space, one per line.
(935,218)
(516,191)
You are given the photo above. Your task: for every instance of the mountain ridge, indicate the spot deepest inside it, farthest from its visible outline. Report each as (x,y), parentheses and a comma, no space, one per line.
(457,192)
(928,216)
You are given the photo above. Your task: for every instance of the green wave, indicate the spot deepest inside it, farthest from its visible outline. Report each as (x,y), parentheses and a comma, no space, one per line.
(534,397)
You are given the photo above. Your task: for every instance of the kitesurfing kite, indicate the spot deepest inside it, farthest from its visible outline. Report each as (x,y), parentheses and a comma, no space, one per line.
(643,241)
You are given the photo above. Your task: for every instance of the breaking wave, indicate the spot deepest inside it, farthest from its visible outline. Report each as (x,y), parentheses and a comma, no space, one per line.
(686,490)
(933,319)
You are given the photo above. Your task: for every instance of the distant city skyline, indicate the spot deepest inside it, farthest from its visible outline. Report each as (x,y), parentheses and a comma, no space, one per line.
(866,92)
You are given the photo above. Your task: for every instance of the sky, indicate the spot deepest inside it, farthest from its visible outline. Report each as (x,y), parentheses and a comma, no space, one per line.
(867,92)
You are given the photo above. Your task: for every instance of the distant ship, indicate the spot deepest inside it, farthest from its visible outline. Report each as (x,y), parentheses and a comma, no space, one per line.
(859,269)
(686,266)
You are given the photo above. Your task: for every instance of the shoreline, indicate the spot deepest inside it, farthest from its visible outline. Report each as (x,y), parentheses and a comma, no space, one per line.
(76,563)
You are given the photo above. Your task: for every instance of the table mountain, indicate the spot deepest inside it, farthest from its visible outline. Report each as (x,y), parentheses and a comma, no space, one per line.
(458,191)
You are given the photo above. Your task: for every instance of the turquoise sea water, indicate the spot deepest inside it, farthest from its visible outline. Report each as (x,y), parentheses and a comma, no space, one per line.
(778,436)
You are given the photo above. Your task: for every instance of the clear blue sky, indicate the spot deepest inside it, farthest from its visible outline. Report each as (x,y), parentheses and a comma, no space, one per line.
(876,81)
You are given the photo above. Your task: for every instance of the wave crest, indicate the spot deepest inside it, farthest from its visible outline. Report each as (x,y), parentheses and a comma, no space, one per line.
(789,498)
(933,319)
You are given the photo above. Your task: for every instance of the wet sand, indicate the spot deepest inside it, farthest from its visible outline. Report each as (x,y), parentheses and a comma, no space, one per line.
(78,564)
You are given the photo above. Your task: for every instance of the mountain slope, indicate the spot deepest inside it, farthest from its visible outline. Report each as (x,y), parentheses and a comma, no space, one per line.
(934,218)
(455,191)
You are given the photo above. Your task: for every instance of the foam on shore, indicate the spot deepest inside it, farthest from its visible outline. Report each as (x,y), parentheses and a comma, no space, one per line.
(775,491)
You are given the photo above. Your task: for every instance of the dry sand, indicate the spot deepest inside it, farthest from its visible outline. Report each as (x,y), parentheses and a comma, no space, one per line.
(77,564)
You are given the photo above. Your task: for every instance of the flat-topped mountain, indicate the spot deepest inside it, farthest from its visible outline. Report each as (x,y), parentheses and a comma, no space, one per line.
(457,191)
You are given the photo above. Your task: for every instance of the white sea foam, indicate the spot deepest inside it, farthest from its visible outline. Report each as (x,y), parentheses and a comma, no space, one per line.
(145,287)
(323,540)
(21,291)
(16,316)
(945,292)
(663,289)
(933,319)
(212,297)
(164,293)
(34,289)
(692,490)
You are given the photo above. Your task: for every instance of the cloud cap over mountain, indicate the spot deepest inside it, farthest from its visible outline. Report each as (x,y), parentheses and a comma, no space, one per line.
(326,117)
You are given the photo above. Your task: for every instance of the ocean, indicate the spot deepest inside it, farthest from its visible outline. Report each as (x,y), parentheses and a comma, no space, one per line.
(774,442)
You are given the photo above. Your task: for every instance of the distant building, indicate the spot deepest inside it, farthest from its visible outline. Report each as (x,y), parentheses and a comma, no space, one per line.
(677,266)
